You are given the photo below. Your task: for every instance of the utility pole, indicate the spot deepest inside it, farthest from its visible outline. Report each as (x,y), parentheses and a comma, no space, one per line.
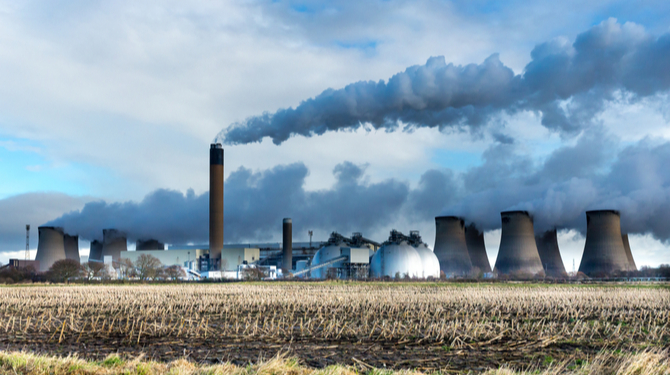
(27,242)
(310,238)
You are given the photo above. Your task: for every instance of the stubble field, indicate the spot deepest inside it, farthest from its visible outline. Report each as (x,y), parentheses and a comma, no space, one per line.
(424,326)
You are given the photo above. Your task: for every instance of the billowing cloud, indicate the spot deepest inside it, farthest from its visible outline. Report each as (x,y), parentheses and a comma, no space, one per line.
(568,84)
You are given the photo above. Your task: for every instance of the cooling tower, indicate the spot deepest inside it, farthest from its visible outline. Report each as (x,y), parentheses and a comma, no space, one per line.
(149,244)
(96,250)
(450,246)
(215,203)
(604,251)
(71,244)
(474,239)
(113,243)
(50,247)
(518,253)
(287,245)
(547,247)
(629,254)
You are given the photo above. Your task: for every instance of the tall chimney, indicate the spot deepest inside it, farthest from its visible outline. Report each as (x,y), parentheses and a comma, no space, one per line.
(287,245)
(215,204)
(604,251)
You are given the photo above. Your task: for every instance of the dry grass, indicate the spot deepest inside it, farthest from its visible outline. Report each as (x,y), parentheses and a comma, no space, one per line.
(645,363)
(454,316)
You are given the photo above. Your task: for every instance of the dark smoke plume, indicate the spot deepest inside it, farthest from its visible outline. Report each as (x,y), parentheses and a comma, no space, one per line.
(567,84)
(591,174)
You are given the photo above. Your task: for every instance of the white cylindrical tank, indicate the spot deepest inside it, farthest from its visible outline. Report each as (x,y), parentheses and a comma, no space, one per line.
(324,254)
(396,260)
(429,261)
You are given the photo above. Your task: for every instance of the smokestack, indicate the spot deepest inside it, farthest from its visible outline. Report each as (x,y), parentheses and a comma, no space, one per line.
(474,239)
(287,244)
(604,251)
(450,246)
(518,251)
(215,204)
(547,247)
(96,250)
(629,254)
(71,244)
(113,243)
(150,244)
(50,247)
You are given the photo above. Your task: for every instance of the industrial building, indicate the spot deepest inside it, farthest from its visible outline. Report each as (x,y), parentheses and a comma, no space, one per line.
(457,252)
(604,252)
(450,246)
(550,255)
(518,255)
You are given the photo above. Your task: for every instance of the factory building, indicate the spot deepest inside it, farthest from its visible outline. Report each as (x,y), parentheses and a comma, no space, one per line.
(547,247)
(429,262)
(474,240)
(518,253)
(340,257)
(50,247)
(604,252)
(450,246)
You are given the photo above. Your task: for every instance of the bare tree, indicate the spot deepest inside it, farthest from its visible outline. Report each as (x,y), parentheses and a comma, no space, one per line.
(126,267)
(94,269)
(174,272)
(64,270)
(147,266)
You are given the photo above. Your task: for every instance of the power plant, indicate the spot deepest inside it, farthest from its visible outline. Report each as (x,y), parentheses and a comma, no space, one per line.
(629,254)
(50,247)
(450,246)
(458,251)
(547,247)
(287,245)
(604,251)
(113,243)
(215,205)
(474,240)
(518,253)
(71,244)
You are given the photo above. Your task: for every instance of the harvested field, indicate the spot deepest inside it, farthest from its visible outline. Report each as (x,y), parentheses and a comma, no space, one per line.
(418,326)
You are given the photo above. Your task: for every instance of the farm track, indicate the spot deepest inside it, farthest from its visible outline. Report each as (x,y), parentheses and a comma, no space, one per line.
(422,327)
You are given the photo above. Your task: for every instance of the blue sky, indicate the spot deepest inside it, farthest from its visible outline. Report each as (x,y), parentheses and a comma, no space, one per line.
(113,100)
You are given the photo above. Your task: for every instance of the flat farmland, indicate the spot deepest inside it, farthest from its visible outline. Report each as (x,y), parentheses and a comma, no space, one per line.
(423,326)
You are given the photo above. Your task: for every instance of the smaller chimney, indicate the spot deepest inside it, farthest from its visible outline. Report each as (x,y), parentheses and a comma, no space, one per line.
(287,247)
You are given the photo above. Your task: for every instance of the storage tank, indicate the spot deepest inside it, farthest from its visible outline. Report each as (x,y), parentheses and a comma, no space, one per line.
(287,245)
(450,246)
(604,252)
(474,240)
(518,253)
(71,244)
(629,254)
(113,243)
(330,250)
(50,247)
(149,244)
(96,251)
(430,263)
(396,258)
(547,247)
(215,204)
